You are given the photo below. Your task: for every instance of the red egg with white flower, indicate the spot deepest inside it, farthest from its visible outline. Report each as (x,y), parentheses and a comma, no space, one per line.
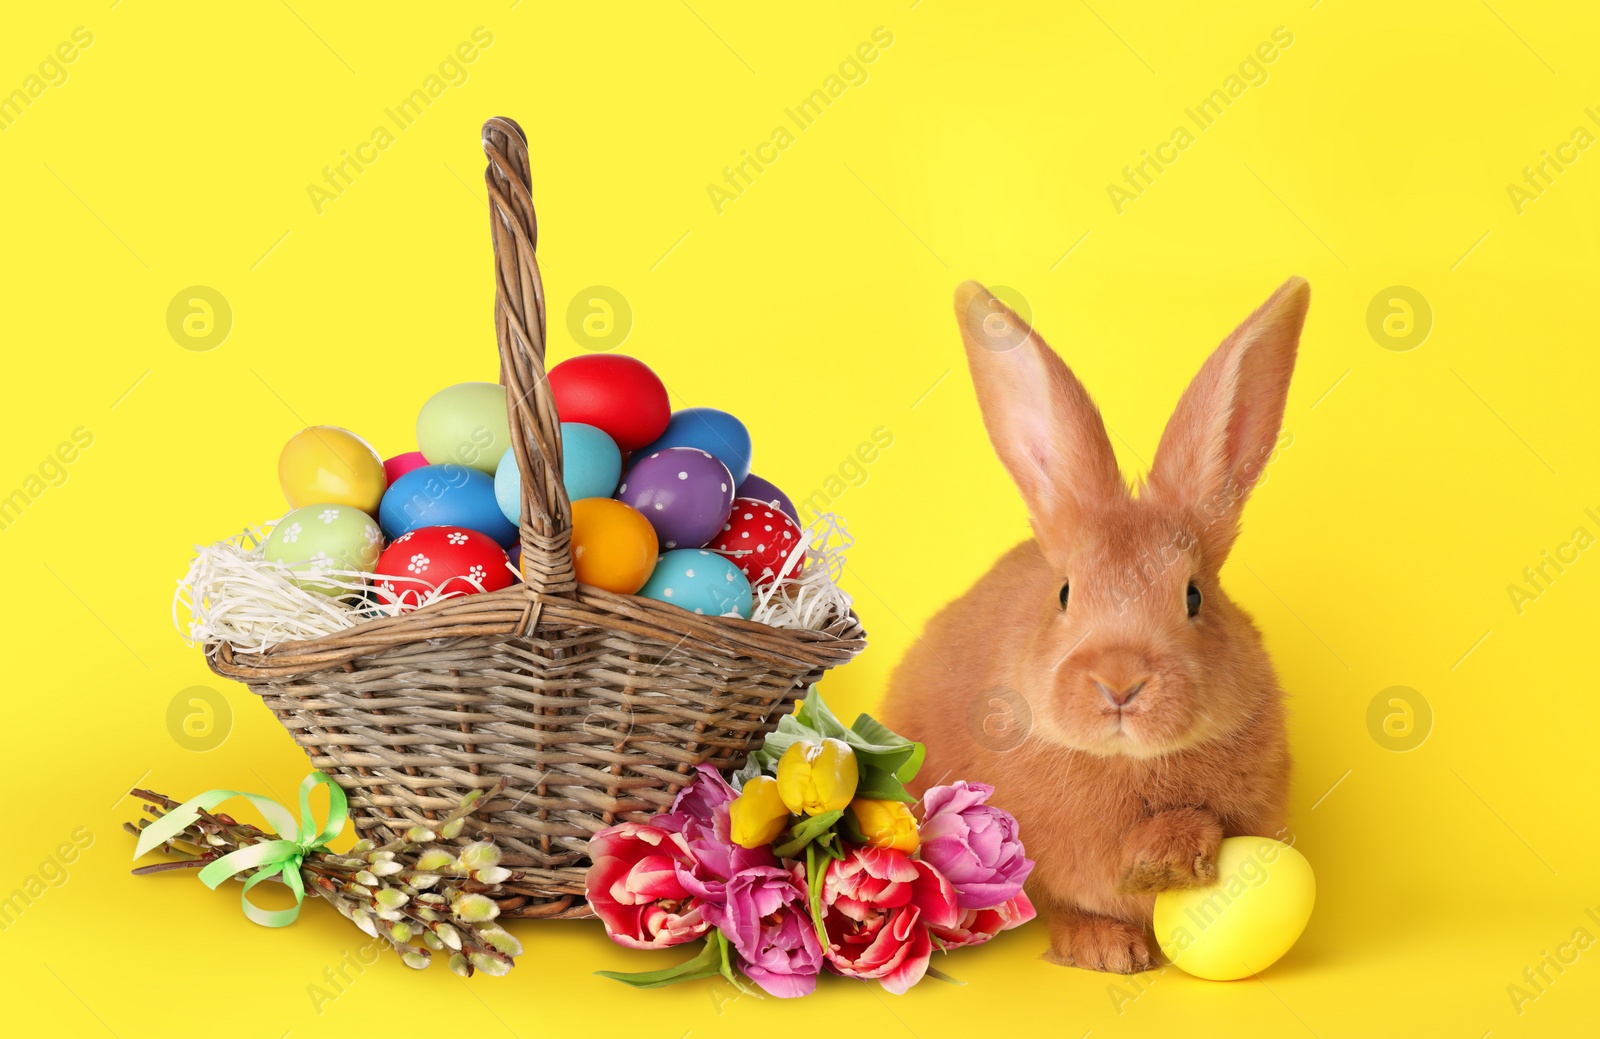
(432,563)
(758,538)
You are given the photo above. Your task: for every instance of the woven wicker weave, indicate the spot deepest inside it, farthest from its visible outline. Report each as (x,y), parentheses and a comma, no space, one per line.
(594,707)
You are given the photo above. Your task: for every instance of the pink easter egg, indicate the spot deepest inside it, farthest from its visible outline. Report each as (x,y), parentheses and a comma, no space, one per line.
(399,465)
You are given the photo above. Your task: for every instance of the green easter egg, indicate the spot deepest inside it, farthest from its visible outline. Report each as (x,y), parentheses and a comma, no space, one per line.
(314,539)
(466,425)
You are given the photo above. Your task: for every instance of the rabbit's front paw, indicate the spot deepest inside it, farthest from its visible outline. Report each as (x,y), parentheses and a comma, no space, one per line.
(1173,849)
(1079,939)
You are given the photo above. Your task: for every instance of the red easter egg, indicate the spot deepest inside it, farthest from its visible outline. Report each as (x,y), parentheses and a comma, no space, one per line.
(758,538)
(616,394)
(434,562)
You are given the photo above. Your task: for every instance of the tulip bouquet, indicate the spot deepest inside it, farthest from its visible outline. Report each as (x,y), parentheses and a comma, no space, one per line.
(812,858)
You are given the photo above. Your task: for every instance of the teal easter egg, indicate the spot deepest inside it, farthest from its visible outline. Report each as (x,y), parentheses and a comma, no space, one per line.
(700,582)
(508,486)
(591,466)
(465,424)
(315,539)
(591,462)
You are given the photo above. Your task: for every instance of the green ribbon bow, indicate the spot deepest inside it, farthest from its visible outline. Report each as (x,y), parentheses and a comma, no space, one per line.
(268,858)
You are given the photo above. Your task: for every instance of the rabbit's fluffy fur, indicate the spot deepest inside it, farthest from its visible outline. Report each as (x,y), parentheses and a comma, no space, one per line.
(1127,736)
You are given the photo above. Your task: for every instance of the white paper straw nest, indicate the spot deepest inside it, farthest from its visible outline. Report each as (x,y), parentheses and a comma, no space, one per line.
(233,594)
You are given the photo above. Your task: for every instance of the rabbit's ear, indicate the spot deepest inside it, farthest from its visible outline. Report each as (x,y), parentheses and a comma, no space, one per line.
(1040,418)
(1227,422)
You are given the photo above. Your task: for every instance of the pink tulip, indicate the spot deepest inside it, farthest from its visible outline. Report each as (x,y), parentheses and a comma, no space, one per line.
(635,887)
(769,925)
(977,926)
(700,814)
(974,844)
(878,906)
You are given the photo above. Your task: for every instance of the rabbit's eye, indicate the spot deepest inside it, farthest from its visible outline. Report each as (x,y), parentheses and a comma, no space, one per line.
(1191,599)
(1064,589)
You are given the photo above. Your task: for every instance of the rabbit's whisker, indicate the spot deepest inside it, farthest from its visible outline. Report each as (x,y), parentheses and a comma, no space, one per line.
(1071,649)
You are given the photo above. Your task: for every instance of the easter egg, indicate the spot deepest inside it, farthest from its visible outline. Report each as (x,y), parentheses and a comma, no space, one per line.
(590,462)
(700,582)
(613,546)
(1244,922)
(755,487)
(758,538)
(439,563)
(465,424)
(326,464)
(444,496)
(710,430)
(320,537)
(399,465)
(618,395)
(508,486)
(684,492)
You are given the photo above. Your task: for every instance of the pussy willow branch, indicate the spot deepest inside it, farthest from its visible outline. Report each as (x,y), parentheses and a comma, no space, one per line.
(407,891)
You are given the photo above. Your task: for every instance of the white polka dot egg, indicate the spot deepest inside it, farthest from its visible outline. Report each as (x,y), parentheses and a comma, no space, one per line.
(699,581)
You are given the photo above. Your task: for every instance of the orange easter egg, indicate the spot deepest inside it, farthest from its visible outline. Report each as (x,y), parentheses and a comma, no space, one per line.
(613,546)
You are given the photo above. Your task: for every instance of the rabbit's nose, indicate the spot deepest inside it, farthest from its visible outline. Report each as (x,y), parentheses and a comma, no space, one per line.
(1120,697)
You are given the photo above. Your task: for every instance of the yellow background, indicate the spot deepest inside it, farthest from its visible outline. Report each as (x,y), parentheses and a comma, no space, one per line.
(1418,486)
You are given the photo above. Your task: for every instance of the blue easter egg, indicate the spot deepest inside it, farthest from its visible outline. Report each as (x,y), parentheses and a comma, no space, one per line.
(709,430)
(449,495)
(591,467)
(700,582)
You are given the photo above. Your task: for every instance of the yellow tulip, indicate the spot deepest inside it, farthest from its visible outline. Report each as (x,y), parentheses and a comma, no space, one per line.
(817,777)
(886,824)
(758,814)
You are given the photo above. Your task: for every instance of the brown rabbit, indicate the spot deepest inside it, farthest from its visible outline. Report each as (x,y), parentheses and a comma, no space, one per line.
(1140,719)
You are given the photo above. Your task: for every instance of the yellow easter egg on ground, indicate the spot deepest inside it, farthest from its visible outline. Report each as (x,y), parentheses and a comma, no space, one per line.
(613,546)
(329,465)
(1247,920)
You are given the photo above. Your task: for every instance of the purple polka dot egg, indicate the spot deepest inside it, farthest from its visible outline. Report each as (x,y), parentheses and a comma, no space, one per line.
(684,492)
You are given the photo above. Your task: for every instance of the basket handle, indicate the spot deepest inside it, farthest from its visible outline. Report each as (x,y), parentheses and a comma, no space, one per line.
(519,326)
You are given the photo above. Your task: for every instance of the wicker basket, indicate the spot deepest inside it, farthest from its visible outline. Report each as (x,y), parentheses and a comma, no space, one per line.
(594,707)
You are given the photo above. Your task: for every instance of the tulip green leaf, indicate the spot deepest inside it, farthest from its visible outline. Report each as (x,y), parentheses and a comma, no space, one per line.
(870,728)
(807,830)
(751,769)
(879,784)
(850,826)
(725,965)
(880,744)
(814,714)
(712,962)
(911,766)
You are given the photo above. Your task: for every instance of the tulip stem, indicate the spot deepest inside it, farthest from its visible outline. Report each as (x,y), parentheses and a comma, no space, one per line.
(817,862)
